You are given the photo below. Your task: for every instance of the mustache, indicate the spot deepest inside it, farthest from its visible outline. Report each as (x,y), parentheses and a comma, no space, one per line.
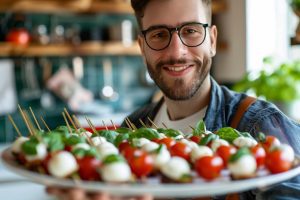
(172,61)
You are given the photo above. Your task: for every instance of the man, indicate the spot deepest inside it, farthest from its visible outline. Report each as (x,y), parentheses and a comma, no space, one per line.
(178,43)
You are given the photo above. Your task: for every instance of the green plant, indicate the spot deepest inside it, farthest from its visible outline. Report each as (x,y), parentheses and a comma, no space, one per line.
(280,84)
(295,4)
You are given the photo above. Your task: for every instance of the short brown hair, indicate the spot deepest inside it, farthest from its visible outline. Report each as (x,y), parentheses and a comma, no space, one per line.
(140,5)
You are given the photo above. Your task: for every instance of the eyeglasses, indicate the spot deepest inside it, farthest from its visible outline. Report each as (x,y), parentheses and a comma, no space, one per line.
(191,35)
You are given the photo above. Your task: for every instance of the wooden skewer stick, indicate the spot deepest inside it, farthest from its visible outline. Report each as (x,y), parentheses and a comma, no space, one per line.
(76,121)
(67,123)
(152,122)
(132,124)
(113,124)
(91,125)
(36,122)
(45,124)
(32,128)
(71,120)
(128,124)
(15,126)
(165,125)
(104,125)
(142,123)
(24,118)
(192,127)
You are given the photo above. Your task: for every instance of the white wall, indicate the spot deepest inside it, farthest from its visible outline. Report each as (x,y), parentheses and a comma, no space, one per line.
(253,29)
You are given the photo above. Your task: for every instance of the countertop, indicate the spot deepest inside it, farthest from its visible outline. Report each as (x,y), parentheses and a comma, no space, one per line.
(15,187)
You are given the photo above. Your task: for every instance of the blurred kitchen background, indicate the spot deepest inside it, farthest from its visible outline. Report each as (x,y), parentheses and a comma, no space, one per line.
(82,55)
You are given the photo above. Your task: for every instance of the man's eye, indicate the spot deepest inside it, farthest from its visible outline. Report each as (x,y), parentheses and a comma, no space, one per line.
(158,35)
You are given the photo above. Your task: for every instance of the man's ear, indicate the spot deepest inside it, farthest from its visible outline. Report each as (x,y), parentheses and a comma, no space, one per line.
(213,39)
(141,44)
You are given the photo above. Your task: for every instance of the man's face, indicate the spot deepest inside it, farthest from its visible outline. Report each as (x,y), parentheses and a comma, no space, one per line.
(178,70)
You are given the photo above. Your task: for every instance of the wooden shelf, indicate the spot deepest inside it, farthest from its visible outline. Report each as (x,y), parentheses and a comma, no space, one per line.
(80,6)
(85,49)
(294,41)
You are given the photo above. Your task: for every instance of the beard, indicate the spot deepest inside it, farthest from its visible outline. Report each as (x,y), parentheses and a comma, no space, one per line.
(180,89)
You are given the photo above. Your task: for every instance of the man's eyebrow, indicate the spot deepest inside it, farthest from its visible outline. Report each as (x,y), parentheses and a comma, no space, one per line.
(166,25)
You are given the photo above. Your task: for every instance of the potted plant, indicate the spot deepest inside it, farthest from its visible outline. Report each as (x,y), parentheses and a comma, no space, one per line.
(278,84)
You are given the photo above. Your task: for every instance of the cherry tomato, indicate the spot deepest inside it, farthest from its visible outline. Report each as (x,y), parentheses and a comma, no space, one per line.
(276,161)
(88,168)
(181,149)
(225,152)
(128,152)
(123,145)
(269,142)
(169,142)
(141,163)
(259,154)
(46,161)
(195,138)
(209,167)
(68,148)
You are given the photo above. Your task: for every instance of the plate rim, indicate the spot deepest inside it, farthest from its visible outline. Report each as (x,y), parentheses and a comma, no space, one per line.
(157,189)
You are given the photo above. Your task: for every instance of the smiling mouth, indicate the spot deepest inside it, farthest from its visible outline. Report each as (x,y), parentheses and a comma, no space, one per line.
(177,68)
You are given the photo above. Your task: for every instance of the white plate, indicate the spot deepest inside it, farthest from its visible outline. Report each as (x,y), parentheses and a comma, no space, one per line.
(199,188)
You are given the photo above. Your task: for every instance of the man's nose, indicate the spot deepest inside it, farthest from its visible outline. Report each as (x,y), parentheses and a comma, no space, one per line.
(176,47)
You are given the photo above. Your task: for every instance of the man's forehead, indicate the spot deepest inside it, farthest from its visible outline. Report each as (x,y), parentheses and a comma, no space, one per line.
(173,12)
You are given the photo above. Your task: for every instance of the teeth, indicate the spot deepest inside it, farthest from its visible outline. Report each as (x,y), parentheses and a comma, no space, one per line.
(177,69)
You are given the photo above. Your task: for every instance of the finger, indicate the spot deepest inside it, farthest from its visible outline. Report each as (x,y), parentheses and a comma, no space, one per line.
(146,197)
(75,194)
(54,191)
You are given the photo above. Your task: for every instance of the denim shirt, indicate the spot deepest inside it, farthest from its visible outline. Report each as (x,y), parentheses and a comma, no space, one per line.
(261,116)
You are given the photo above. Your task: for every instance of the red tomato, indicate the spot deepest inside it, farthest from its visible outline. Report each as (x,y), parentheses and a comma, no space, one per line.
(209,167)
(21,158)
(128,152)
(259,154)
(276,162)
(270,142)
(123,145)
(181,149)
(46,161)
(88,168)
(169,142)
(141,163)
(19,36)
(195,138)
(225,152)
(68,148)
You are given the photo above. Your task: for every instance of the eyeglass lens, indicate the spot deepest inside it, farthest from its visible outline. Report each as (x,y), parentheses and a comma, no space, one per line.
(191,35)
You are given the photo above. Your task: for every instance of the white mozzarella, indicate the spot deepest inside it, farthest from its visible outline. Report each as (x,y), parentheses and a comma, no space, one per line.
(41,153)
(116,172)
(62,164)
(86,134)
(84,146)
(161,157)
(244,166)
(175,168)
(288,152)
(106,149)
(138,142)
(161,135)
(199,152)
(17,144)
(150,146)
(98,140)
(217,143)
(189,143)
(244,142)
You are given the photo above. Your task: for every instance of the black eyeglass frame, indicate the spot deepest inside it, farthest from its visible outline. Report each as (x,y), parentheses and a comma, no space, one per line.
(171,31)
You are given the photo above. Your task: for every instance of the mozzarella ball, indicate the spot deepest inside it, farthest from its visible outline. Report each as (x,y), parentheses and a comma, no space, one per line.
(199,152)
(41,153)
(106,149)
(17,144)
(98,140)
(175,168)
(244,142)
(116,172)
(243,167)
(217,143)
(62,164)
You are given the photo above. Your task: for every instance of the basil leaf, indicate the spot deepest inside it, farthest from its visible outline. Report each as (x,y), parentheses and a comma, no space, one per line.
(123,130)
(113,158)
(241,152)
(208,138)
(147,133)
(109,135)
(79,152)
(54,141)
(171,132)
(120,138)
(228,133)
(200,128)
(29,147)
(261,137)
(246,134)
(74,139)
